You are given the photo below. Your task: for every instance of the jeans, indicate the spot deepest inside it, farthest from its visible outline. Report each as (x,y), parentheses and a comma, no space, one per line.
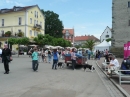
(49,58)
(73,64)
(54,63)
(99,57)
(89,56)
(35,65)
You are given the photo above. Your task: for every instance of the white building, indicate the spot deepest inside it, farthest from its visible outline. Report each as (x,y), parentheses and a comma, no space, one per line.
(106,34)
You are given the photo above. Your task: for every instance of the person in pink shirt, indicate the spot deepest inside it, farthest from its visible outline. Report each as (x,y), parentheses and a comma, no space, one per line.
(73,58)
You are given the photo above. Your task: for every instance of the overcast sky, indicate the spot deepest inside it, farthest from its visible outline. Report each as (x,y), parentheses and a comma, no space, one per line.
(87,17)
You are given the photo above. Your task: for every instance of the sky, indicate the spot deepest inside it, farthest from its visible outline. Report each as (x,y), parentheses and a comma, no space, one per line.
(87,17)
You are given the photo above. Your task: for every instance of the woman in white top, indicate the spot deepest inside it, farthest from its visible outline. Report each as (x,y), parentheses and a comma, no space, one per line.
(73,58)
(46,55)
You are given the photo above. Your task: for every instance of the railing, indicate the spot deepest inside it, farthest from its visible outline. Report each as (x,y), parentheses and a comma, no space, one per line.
(37,26)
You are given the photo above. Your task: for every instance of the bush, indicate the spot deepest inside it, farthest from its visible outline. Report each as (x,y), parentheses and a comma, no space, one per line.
(20,34)
(8,33)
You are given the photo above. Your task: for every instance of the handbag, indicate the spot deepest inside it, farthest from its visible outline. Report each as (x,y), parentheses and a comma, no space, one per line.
(8,58)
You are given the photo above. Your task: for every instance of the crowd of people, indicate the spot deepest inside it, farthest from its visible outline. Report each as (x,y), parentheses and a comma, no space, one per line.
(49,55)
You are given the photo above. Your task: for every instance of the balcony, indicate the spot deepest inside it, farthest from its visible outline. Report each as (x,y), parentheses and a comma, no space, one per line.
(37,26)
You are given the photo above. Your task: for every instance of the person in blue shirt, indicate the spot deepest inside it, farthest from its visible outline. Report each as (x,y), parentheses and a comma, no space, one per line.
(55,59)
(35,60)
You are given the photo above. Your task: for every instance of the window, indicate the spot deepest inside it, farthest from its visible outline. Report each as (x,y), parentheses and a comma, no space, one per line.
(30,32)
(35,14)
(30,20)
(35,22)
(128,3)
(129,23)
(67,32)
(2,22)
(107,36)
(41,24)
(35,33)
(2,32)
(19,30)
(20,20)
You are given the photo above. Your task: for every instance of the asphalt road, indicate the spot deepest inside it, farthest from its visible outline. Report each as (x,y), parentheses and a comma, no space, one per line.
(24,82)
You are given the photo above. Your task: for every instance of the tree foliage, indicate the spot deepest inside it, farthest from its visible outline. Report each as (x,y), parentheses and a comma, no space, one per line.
(89,44)
(53,25)
(49,40)
(109,39)
(23,41)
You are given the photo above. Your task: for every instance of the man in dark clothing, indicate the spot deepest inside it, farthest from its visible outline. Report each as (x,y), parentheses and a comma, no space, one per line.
(6,53)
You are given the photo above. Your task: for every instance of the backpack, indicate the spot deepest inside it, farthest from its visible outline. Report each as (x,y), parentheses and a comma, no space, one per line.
(124,67)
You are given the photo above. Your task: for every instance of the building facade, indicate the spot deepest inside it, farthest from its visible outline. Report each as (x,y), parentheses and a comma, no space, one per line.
(106,34)
(120,22)
(68,34)
(29,20)
(80,40)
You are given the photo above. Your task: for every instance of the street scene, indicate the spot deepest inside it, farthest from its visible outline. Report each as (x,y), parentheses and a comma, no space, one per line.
(65,48)
(63,82)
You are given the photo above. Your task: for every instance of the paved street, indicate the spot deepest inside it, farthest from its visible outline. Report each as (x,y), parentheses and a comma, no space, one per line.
(24,82)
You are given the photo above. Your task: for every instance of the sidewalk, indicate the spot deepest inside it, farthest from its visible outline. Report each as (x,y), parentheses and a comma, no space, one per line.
(126,87)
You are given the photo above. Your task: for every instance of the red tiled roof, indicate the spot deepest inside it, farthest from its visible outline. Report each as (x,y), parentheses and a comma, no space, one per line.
(84,38)
(71,31)
(15,7)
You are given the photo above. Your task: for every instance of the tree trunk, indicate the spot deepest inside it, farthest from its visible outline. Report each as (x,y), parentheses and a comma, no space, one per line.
(18,50)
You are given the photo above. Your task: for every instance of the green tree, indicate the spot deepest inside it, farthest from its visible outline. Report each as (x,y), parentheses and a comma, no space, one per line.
(39,39)
(23,41)
(12,41)
(53,25)
(109,39)
(19,41)
(89,44)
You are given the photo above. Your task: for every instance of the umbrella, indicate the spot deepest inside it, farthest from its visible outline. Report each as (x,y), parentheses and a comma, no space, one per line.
(33,45)
(49,47)
(22,46)
(58,46)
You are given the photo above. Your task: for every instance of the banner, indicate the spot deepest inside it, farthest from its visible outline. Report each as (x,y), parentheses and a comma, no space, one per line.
(128,48)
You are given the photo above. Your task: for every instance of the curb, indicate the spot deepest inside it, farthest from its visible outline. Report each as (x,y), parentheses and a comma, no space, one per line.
(115,84)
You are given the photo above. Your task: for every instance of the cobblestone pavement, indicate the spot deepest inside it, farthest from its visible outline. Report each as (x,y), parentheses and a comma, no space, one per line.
(126,87)
(108,84)
(24,82)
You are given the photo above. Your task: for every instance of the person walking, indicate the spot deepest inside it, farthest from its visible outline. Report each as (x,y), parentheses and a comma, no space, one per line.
(6,57)
(55,59)
(73,58)
(35,59)
(46,55)
(49,56)
(43,55)
(31,52)
(89,54)
(39,56)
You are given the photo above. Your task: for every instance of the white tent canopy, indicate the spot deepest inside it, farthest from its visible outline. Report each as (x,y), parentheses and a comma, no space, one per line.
(102,46)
